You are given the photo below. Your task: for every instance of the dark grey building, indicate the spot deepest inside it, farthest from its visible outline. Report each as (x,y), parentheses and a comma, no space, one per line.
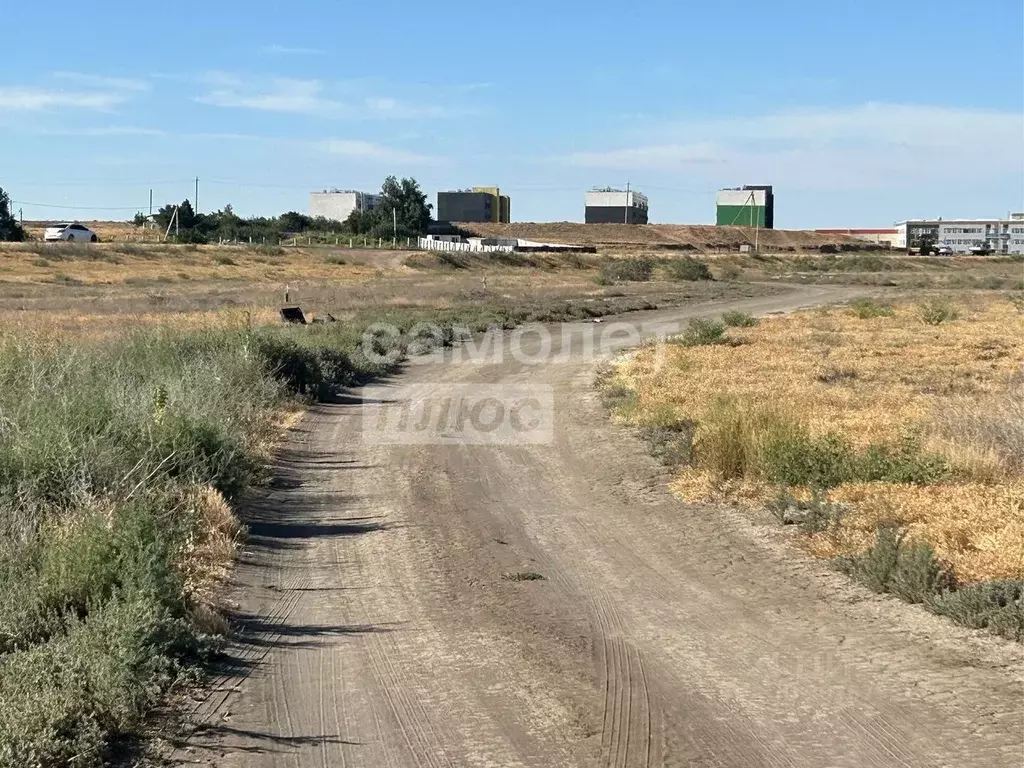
(481,204)
(615,206)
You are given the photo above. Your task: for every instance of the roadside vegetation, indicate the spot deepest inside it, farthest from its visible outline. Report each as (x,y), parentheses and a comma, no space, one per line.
(891,435)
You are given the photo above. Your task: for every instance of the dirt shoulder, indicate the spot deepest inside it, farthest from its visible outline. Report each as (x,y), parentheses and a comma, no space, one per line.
(379,625)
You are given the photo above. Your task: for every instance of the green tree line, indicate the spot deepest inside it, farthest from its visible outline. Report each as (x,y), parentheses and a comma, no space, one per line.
(10,230)
(401,211)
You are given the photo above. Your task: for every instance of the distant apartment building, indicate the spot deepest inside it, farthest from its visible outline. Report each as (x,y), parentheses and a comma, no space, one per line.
(965,235)
(747,206)
(616,206)
(477,205)
(338,204)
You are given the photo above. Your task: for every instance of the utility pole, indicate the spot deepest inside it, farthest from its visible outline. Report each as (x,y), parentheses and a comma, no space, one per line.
(196,207)
(394,220)
(625,213)
(151,202)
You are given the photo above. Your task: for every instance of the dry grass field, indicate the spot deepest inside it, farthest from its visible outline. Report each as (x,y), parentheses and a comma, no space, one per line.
(937,410)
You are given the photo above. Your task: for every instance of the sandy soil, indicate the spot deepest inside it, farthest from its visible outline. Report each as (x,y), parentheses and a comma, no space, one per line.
(376,628)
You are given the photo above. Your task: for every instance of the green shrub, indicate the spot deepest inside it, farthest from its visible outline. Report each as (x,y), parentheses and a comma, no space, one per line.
(866,309)
(790,457)
(739,319)
(626,271)
(937,311)
(997,606)
(687,269)
(909,570)
(701,332)
(904,462)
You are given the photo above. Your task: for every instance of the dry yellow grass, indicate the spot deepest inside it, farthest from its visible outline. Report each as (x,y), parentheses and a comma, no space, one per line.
(890,375)
(108,264)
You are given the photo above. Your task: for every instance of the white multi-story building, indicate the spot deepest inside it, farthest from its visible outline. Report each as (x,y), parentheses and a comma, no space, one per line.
(338,204)
(965,235)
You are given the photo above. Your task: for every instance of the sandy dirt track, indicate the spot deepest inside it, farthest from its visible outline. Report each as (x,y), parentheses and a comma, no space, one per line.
(377,628)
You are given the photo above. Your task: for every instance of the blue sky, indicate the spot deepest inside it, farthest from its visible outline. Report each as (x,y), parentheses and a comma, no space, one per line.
(860,114)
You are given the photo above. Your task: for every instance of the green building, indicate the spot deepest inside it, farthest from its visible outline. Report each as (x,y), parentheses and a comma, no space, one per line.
(752,206)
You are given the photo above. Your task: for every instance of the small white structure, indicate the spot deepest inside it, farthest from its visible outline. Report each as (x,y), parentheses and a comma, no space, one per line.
(486,244)
(338,204)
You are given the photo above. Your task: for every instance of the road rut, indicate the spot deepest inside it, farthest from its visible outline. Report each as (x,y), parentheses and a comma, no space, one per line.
(376,628)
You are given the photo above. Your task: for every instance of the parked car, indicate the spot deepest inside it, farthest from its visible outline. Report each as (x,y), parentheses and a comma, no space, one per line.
(70,232)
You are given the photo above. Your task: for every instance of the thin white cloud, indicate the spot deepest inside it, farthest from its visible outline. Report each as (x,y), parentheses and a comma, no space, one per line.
(865,146)
(28,99)
(287,50)
(103,82)
(311,97)
(366,150)
(102,131)
(385,107)
(279,95)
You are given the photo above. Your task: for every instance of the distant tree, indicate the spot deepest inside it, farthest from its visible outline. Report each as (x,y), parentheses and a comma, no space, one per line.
(293,222)
(140,219)
(402,203)
(10,229)
(223,224)
(186,216)
(360,222)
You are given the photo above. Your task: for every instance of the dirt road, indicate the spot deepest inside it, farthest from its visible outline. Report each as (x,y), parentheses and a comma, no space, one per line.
(381,628)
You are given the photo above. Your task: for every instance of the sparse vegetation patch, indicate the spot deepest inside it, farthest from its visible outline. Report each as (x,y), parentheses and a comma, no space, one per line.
(893,446)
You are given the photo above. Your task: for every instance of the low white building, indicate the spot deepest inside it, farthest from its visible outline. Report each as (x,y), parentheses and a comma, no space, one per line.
(338,204)
(964,235)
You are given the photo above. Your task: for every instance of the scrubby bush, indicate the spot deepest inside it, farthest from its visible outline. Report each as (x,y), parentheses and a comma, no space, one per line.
(789,456)
(938,311)
(997,606)
(739,319)
(701,332)
(909,570)
(865,309)
(687,269)
(902,462)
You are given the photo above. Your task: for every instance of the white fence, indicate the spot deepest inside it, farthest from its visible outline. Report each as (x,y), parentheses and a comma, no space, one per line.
(429,244)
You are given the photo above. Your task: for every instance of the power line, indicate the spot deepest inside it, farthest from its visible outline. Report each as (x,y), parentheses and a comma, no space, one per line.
(97,183)
(80,207)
